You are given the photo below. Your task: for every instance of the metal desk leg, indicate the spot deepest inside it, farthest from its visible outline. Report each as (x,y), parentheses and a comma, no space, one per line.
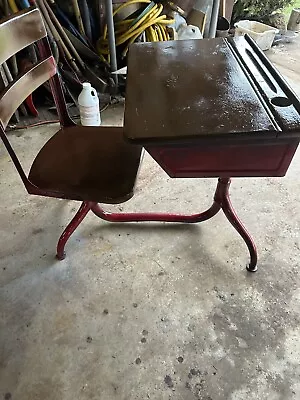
(237,224)
(221,201)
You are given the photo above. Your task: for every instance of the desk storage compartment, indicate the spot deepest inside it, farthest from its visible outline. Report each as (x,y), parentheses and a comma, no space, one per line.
(223,160)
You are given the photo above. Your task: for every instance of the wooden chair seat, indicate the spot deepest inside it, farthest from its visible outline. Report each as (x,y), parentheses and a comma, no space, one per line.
(87,163)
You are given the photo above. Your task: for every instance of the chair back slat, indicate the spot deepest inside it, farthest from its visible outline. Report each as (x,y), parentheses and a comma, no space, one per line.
(19,32)
(22,87)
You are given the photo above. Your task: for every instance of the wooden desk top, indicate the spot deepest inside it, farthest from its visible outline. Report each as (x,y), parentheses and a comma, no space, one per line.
(179,90)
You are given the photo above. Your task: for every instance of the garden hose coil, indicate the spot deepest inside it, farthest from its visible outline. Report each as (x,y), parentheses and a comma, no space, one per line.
(151,22)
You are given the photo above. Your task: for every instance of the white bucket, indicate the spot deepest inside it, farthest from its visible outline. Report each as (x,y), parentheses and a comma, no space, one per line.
(262,34)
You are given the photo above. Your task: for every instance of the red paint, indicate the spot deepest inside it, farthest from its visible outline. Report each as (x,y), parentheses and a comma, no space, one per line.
(26,64)
(221,201)
(235,160)
(156,217)
(76,221)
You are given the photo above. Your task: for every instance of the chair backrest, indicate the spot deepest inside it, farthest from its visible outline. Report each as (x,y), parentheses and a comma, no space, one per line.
(16,33)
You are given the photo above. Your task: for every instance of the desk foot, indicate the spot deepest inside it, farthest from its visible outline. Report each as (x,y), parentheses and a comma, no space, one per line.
(237,224)
(251,268)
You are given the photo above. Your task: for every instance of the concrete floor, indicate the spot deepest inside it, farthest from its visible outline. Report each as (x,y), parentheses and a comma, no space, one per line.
(151,311)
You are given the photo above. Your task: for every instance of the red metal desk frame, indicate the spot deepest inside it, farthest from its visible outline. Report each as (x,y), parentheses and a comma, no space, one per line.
(211,108)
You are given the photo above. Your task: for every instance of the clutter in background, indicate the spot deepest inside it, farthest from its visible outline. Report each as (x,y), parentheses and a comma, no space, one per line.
(258,10)
(186,32)
(88,103)
(148,24)
(261,33)
(294,21)
(290,30)
(266,22)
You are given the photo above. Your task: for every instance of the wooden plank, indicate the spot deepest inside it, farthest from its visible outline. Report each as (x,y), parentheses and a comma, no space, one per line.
(20,89)
(16,33)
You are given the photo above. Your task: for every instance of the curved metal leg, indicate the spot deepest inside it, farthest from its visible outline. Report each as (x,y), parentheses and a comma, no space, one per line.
(221,200)
(237,224)
(78,218)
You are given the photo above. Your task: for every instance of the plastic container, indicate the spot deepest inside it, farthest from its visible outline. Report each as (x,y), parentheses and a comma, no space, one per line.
(89,106)
(186,32)
(262,34)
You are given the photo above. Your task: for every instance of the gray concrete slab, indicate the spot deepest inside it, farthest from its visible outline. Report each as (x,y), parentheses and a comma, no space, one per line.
(150,311)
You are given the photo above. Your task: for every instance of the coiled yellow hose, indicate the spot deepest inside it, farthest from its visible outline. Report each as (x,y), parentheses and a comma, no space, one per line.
(153,23)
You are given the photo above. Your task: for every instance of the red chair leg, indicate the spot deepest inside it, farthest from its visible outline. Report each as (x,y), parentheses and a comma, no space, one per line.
(78,218)
(237,224)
